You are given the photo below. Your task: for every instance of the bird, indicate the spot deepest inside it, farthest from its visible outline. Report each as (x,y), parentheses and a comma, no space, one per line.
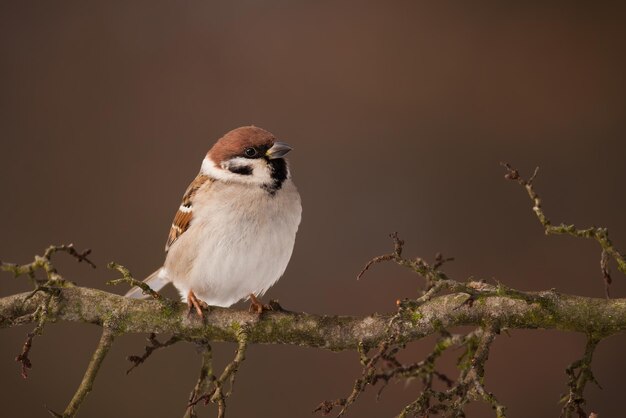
(234,232)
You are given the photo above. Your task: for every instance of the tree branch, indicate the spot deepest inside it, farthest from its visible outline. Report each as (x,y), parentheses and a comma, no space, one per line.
(512,309)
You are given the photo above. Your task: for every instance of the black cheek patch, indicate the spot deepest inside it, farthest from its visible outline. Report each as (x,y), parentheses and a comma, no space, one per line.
(244,170)
(278,170)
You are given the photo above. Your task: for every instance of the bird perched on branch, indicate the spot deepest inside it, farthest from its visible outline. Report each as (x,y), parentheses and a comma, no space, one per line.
(235,229)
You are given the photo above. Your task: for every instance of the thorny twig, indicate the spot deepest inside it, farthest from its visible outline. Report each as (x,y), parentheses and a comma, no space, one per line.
(149,349)
(128,278)
(52,281)
(43,262)
(326,407)
(606,272)
(436,282)
(601,235)
(579,374)
(217,394)
(203,384)
(367,375)
(467,387)
(50,285)
(23,358)
(431,274)
(470,383)
(425,369)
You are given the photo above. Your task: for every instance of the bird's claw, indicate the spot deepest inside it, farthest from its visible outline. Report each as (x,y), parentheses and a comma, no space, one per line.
(194,303)
(256,306)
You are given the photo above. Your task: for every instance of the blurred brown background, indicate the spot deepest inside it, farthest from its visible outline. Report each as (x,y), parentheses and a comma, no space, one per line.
(399,113)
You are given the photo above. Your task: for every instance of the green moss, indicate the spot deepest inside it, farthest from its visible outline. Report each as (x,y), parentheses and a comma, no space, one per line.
(169,308)
(416,316)
(235,326)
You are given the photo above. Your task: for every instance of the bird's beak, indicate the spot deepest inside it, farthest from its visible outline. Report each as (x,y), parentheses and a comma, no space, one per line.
(278,150)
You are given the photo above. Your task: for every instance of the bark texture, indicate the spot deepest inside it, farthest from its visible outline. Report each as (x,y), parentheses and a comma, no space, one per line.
(509,309)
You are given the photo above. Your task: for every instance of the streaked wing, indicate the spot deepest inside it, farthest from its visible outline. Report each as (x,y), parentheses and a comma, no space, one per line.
(184,216)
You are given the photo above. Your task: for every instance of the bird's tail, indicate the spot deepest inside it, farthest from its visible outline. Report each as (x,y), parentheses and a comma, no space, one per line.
(156,281)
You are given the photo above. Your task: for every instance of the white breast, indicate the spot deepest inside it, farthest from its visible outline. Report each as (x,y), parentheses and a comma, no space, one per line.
(239,242)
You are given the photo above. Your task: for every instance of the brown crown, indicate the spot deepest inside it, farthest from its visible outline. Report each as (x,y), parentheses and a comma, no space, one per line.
(234,142)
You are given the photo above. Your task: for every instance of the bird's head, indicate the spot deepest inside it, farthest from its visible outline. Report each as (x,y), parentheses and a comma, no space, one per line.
(248,155)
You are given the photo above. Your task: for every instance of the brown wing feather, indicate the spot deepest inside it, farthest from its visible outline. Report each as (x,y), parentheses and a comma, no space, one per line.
(183,218)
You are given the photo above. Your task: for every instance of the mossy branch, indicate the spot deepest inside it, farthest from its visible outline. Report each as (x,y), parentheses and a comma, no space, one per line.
(546,310)
(596,317)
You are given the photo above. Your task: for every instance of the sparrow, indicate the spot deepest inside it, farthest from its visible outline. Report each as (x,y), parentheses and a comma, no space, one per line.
(234,232)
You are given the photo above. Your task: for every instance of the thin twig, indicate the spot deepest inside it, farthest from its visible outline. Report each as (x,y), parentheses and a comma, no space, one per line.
(229,373)
(430,273)
(600,235)
(468,386)
(476,374)
(203,384)
(395,255)
(369,370)
(606,272)
(50,286)
(425,369)
(216,394)
(44,262)
(149,349)
(106,340)
(80,256)
(579,374)
(128,278)
(23,358)
(471,378)
(326,407)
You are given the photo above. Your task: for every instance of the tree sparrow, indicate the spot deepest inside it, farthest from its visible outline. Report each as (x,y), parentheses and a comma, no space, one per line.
(234,231)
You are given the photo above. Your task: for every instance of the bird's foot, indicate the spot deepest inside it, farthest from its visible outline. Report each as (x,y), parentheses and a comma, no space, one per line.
(256,306)
(194,303)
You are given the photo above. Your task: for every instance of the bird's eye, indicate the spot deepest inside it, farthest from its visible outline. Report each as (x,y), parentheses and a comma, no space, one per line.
(250,152)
